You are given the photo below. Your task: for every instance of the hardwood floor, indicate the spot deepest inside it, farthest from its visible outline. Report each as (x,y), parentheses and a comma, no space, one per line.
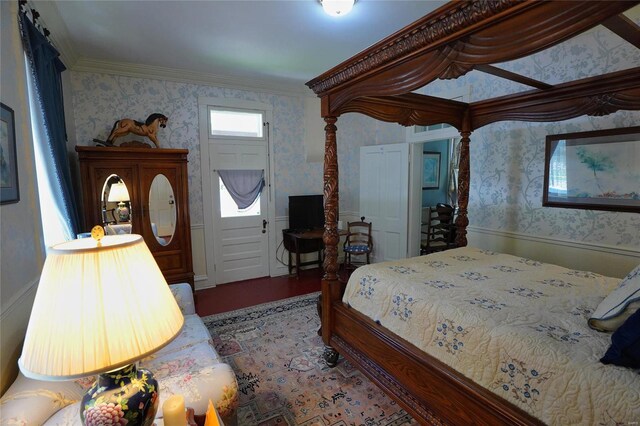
(242,294)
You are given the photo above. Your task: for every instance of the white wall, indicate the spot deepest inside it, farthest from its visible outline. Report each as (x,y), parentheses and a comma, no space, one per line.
(607,260)
(21,245)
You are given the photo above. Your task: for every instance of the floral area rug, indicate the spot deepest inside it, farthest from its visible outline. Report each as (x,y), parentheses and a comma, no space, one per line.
(276,353)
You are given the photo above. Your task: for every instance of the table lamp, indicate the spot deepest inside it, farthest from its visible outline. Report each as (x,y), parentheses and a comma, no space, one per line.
(118,193)
(101,305)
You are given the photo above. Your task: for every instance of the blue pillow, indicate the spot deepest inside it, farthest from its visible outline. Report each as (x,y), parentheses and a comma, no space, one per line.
(625,344)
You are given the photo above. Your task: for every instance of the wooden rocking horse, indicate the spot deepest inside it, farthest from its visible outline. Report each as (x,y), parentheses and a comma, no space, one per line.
(149,128)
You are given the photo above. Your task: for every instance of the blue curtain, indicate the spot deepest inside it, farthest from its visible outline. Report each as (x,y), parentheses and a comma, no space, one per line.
(244,186)
(47,68)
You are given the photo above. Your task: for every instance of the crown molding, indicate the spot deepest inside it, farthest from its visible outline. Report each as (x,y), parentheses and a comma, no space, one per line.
(185,76)
(60,38)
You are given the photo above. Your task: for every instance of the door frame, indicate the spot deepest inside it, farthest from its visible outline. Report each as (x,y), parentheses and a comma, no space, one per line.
(450,134)
(413,138)
(207,202)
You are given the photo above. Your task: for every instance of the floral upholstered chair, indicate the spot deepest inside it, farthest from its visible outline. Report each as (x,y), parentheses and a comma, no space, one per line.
(187,366)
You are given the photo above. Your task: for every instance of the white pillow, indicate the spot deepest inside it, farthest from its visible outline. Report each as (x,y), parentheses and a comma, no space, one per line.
(619,305)
(68,416)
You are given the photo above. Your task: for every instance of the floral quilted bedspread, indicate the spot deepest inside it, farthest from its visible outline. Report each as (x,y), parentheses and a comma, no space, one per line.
(516,326)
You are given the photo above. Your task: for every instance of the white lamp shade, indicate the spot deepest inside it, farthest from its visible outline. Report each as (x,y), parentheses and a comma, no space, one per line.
(98,308)
(337,7)
(118,192)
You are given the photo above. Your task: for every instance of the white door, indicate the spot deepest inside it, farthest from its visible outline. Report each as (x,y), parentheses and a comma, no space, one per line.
(384,198)
(238,140)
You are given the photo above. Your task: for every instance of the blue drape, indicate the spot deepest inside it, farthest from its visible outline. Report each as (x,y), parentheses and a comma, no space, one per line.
(244,186)
(47,69)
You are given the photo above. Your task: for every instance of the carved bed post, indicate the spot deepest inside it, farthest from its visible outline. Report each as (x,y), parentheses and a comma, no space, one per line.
(463,189)
(330,237)
(330,284)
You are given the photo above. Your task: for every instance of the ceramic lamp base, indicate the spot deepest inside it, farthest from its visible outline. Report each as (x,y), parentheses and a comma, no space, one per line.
(123,212)
(128,396)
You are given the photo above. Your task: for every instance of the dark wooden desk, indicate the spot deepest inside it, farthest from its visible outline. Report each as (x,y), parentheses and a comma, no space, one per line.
(303,242)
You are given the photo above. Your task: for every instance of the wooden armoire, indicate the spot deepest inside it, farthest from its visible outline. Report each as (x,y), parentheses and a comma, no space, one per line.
(166,228)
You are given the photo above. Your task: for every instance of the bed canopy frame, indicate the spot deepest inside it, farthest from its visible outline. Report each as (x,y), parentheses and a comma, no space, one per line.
(379,82)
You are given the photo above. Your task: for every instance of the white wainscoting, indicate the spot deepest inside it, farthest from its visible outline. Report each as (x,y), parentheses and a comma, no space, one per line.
(13,326)
(198,254)
(203,279)
(606,260)
(279,261)
(283,256)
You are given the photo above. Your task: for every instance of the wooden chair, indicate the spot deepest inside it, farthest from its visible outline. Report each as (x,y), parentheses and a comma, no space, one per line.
(357,243)
(440,230)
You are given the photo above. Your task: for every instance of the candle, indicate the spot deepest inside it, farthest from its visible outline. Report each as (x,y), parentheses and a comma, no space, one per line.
(212,416)
(173,413)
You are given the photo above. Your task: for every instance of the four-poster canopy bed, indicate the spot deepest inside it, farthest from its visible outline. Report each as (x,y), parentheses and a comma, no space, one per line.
(378,82)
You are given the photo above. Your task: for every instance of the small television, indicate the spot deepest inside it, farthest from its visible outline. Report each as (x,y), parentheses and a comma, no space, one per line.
(306,212)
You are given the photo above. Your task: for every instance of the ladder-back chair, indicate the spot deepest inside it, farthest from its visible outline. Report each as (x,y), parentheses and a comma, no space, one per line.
(440,232)
(357,243)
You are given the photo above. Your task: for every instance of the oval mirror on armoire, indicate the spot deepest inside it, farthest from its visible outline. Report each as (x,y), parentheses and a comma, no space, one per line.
(162,209)
(116,206)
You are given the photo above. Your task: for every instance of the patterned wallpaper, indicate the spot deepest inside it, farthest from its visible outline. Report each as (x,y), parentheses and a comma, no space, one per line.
(507,158)
(100,99)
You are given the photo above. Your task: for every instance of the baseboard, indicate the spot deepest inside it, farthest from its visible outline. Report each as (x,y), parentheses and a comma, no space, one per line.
(614,261)
(206,285)
(200,267)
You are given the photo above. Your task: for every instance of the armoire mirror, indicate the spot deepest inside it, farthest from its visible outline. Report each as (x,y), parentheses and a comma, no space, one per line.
(116,207)
(162,209)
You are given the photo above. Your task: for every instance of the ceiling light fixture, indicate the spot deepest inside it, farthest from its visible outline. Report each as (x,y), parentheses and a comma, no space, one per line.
(337,7)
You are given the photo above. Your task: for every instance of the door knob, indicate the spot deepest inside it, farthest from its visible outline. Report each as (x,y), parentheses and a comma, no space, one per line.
(264,226)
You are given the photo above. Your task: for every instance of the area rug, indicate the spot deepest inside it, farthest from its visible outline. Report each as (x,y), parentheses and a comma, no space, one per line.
(276,353)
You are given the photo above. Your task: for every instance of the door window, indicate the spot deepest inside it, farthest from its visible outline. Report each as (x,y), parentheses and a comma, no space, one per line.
(229,208)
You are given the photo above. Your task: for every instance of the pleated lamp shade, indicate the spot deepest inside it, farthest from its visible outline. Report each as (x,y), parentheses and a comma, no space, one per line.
(99,307)
(118,193)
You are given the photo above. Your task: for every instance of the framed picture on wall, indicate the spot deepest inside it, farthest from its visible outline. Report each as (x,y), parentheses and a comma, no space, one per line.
(430,170)
(593,170)
(8,166)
